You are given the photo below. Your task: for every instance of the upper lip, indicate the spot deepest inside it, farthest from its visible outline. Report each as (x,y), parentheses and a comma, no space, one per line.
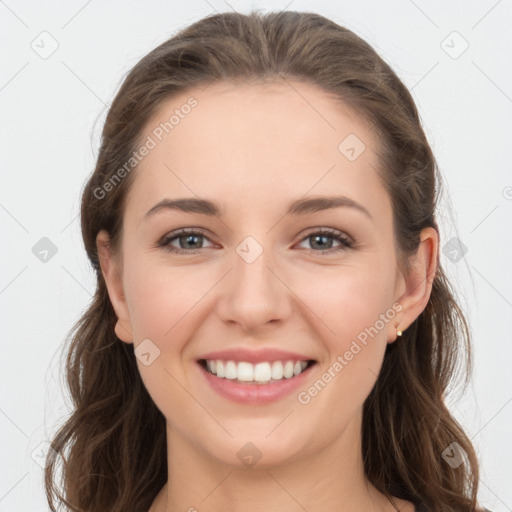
(255,356)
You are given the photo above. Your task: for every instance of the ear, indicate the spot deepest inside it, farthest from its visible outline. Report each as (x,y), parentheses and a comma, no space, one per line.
(418,280)
(111,270)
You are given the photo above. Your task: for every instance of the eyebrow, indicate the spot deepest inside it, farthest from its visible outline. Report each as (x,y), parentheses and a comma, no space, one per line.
(297,207)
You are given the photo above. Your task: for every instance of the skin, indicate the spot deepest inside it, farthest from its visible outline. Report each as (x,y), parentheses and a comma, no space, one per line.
(290,297)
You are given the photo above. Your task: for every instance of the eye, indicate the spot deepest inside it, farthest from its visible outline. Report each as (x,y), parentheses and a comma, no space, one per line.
(188,236)
(320,239)
(184,238)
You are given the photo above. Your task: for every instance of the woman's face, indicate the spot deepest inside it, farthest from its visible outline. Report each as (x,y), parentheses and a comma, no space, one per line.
(252,278)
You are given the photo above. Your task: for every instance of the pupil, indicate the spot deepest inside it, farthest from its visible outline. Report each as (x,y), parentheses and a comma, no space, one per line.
(322,237)
(189,238)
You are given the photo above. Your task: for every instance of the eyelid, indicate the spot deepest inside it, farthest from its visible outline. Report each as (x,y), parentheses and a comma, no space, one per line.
(331,231)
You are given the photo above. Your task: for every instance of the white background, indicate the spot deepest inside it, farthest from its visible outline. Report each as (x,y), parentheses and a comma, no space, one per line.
(52,112)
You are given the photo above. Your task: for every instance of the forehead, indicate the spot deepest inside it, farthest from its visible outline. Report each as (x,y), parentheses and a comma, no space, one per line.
(254,144)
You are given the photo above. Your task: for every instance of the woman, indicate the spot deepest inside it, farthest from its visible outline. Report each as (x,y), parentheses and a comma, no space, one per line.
(296,355)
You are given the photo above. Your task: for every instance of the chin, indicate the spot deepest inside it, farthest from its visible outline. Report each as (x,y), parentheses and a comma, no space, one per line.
(254,450)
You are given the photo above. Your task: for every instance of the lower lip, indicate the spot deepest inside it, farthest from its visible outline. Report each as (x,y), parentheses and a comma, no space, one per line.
(255,393)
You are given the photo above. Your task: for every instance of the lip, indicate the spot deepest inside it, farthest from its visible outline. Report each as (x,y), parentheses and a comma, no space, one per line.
(253,356)
(252,393)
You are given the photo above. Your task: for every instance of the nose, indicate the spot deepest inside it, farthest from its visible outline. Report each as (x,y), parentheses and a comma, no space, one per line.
(254,295)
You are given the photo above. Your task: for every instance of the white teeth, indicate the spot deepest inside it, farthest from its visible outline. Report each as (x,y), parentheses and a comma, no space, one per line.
(245,372)
(288,369)
(277,370)
(220,369)
(230,370)
(260,372)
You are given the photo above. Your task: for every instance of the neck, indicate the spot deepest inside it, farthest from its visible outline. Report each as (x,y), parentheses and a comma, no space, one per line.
(330,479)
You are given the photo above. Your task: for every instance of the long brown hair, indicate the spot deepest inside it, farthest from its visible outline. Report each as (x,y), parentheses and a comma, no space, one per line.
(112,448)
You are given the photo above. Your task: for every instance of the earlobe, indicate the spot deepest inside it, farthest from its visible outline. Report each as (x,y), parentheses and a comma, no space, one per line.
(112,274)
(123,333)
(419,280)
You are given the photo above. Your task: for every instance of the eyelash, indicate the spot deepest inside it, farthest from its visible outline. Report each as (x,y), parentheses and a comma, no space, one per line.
(346,243)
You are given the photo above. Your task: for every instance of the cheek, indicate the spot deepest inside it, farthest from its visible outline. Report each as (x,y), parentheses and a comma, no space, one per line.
(161,302)
(347,300)
(356,312)
(353,311)
(159,296)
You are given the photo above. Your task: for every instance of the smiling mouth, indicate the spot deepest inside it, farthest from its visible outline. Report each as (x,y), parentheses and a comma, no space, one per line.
(243,372)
